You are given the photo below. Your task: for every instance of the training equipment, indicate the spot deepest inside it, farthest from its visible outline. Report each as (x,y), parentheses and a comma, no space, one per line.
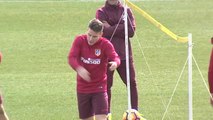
(171,34)
(132,115)
(156,23)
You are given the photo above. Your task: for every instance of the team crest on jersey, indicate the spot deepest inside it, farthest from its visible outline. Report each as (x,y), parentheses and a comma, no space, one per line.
(97,52)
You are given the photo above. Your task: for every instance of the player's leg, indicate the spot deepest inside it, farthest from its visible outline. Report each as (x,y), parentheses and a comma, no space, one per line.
(109,85)
(85,106)
(210,76)
(3,115)
(100,117)
(133,87)
(100,105)
(90,118)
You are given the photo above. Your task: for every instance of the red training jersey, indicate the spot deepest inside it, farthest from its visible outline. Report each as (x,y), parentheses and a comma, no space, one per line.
(94,58)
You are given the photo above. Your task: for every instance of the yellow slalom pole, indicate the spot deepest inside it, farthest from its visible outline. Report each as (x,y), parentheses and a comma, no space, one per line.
(157,24)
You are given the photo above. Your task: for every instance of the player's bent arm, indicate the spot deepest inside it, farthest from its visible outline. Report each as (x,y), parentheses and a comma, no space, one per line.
(83,73)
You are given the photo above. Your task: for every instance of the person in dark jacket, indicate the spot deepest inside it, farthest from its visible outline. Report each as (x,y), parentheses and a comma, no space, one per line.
(210,74)
(112,14)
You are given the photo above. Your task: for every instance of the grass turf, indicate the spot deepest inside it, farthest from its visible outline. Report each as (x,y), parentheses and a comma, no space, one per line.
(37,83)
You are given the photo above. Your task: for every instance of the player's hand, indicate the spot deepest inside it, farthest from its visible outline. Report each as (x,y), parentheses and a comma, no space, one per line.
(106,24)
(113,65)
(83,73)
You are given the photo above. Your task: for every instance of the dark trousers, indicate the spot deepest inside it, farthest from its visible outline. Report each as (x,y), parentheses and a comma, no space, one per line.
(122,73)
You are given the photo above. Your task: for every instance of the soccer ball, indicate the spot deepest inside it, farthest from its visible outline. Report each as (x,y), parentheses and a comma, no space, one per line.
(134,115)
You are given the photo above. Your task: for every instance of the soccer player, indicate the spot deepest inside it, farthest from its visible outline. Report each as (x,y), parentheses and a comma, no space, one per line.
(3,115)
(89,56)
(112,14)
(210,74)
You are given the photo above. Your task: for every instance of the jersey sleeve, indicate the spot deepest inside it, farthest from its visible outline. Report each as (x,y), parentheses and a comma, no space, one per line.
(74,54)
(111,53)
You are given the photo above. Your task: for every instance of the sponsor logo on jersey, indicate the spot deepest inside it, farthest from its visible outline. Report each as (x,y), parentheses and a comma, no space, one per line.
(97,52)
(91,61)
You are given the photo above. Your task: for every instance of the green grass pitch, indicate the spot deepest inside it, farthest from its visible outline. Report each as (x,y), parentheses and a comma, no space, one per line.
(38,84)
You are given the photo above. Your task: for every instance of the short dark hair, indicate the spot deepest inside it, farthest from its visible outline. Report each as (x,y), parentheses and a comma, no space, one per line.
(96,25)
